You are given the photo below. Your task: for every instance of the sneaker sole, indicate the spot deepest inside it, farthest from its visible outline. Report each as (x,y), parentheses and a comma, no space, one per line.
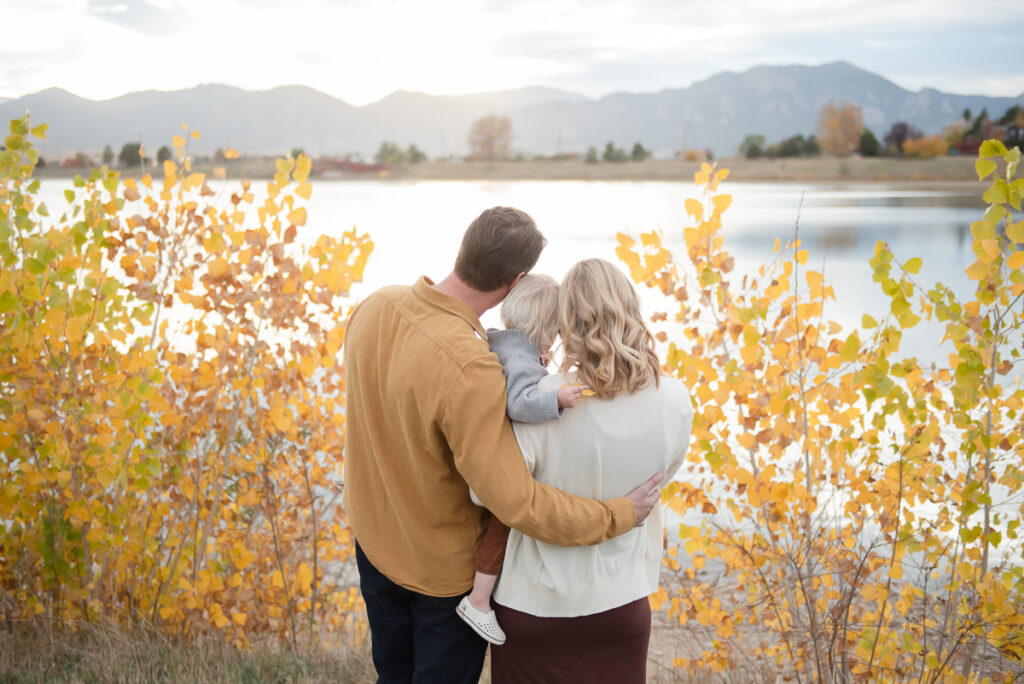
(480,633)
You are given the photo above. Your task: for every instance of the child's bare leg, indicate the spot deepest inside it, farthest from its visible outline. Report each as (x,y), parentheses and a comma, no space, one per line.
(483,587)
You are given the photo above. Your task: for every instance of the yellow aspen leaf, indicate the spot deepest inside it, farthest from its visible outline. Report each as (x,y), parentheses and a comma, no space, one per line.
(307,366)
(238,619)
(912,265)
(217,616)
(721,202)
(658,599)
(281,417)
(218,267)
(694,208)
(304,579)
(978,270)
(814,281)
(896,571)
(692,236)
(726,630)
(194,180)
(1016,261)
(241,556)
(850,348)
(304,190)
(751,355)
(170,168)
(276,580)
(303,165)
(177,141)
(909,320)
(991,248)
(230,153)
(984,167)
(1015,231)
(983,230)
(297,216)
(777,245)
(284,166)
(867,321)
(195,135)
(801,256)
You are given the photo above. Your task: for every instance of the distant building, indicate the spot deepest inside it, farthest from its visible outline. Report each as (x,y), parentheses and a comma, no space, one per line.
(345,167)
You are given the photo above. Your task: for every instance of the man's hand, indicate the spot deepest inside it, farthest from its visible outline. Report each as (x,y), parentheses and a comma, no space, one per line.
(645,498)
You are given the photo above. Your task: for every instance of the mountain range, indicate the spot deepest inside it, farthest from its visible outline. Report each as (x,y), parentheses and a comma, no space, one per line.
(715,113)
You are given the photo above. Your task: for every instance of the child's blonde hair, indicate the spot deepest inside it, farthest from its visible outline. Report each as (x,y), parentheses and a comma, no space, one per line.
(532,307)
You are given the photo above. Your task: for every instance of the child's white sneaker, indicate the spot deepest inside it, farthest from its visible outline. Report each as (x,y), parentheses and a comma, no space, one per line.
(484,624)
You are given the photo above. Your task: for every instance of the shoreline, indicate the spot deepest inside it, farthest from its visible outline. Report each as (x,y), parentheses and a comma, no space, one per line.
(941,171)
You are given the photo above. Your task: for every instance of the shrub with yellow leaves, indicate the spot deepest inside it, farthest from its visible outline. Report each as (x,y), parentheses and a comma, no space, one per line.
(927,147)
(859,495)
(172,404)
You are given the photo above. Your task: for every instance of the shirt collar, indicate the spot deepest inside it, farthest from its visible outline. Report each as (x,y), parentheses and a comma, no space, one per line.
(424,287)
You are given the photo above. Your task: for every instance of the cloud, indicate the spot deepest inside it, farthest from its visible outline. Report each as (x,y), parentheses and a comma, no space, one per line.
(143,16)
(361,50)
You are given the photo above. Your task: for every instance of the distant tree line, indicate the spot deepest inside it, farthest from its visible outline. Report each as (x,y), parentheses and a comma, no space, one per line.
(841,133)
(616,155)
(754,146)
(393,155)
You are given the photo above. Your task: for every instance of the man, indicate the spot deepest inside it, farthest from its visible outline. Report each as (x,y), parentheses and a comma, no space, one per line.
(425,422)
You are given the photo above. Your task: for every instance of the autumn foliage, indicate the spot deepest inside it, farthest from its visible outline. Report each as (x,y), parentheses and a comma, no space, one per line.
(171,404)
(867,506)
(172,419)
(839,128)
(925,147)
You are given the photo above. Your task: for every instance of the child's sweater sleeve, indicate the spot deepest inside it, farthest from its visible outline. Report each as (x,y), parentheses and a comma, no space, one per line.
(523,370)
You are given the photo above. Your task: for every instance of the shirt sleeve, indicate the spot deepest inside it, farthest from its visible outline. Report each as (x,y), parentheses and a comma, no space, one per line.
(526,403)
(487,456)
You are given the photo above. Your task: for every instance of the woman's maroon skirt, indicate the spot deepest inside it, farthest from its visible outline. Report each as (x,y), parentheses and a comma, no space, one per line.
(604,647)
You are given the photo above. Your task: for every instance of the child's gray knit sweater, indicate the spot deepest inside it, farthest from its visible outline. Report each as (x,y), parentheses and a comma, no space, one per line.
(523,370)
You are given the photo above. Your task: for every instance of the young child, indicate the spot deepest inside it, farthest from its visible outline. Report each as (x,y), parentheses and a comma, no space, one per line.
(530,316)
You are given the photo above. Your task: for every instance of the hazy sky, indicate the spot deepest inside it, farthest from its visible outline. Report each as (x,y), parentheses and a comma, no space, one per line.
(361,50)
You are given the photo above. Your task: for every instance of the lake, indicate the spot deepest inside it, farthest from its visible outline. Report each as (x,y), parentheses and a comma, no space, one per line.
(417,226)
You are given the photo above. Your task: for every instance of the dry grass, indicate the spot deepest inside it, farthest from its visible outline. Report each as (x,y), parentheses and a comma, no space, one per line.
(105,653)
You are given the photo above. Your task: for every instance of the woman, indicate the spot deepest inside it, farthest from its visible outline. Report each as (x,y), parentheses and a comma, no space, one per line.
(581,614)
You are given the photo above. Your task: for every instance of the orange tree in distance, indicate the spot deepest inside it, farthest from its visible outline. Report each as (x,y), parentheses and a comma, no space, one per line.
(171,403)
(866,508)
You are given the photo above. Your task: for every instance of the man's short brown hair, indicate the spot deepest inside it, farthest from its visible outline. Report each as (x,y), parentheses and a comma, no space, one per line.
(499,244)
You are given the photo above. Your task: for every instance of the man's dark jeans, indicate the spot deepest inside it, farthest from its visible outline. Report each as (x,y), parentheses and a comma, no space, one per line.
(417,638)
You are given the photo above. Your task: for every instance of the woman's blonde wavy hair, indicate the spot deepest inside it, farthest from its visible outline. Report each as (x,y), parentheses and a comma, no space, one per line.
(603,333)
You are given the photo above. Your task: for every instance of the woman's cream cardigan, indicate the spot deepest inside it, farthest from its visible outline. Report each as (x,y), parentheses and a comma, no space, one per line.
(601,449)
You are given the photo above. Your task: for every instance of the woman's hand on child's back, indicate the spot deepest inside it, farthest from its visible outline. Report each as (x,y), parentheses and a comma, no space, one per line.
(569,395)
